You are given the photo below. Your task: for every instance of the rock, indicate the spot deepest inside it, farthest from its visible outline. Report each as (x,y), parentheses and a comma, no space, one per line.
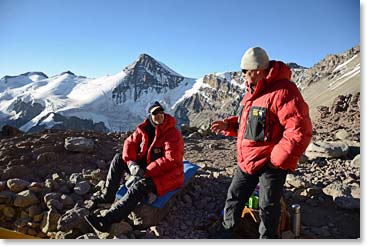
(120,228)
(16,185)
(25,199)
(8,212)
(36,187)
(195,135)
(49,222)
(46,157)
(296,181)
(337,189)
(79,144)
(347,202)
(88,236)
(101,164)
(2,185)
(157,231)
(6,197)
(51,196)
(303,159)
(76,177)
(72,219)
(10,131)
(342,134)
(20,171)
(49,184)
(355,191)
(82,188)
(332,149)
(356,162)
(56,177)
(342,195)
(67,201)
(54,204)
(38,217)
(34,210)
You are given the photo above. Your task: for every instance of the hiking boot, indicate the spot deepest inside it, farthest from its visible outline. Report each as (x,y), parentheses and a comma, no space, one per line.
(222,233)
(98,223)
(102,199)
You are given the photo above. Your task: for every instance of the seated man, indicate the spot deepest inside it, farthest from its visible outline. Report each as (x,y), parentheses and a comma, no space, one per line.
(153,156)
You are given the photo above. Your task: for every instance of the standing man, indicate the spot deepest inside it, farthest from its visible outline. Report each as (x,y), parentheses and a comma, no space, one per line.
(273,129)
(153,156)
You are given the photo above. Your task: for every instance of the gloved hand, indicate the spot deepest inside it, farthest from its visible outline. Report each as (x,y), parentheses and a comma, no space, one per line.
(132,180)
(135,169)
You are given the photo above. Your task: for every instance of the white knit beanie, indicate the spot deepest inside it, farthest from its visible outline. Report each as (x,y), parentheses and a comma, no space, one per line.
(255,59)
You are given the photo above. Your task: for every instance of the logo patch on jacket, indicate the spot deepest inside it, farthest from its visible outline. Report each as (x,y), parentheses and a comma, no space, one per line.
(156,153)
(256,124)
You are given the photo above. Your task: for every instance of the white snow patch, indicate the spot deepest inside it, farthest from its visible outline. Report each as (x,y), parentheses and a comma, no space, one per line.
(345,77)
(339,67)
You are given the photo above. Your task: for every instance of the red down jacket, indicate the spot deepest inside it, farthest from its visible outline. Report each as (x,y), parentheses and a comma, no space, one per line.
(166,169)
(274,124)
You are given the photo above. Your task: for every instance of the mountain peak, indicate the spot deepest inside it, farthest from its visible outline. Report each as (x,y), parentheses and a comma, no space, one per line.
(145,56)
(40,75)
(148,63)
(295,66)
(68,73)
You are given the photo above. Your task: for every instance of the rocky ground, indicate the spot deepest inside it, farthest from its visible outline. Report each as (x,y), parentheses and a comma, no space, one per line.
(46,180)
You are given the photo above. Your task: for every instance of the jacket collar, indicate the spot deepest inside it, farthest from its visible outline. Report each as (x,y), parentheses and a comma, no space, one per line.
(278,71)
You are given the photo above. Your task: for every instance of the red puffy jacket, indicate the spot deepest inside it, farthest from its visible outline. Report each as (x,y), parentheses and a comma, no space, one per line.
(274,124)
(167,149)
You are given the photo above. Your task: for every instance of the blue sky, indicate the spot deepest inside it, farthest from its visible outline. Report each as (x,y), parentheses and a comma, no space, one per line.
(193,37)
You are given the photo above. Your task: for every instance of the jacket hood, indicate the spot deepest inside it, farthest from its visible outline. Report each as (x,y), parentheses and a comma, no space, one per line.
(278,71)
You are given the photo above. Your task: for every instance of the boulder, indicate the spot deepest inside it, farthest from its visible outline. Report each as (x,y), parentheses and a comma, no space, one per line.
(342,195)
(6,196)
(73,218)
(49,221)
(36,187)
(16,185)
(82,188)
(296,181)
(331,149)
(120,228)
(79,144)
(356,162)
(25,198)
(342,134)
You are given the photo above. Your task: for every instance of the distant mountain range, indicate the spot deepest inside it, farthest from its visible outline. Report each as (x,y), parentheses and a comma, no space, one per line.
(33,101)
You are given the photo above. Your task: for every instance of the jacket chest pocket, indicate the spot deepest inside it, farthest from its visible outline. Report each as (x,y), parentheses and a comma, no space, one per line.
(156,153)
(256,124)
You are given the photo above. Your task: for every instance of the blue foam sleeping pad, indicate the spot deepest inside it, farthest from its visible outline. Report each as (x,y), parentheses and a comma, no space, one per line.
(189,171)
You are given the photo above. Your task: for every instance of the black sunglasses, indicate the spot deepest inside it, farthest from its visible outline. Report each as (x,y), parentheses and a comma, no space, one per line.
(244,71)
(158,111)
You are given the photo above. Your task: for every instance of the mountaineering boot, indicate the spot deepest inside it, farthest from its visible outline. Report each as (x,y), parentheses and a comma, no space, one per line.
(222,233)
(98,223)
(103,199)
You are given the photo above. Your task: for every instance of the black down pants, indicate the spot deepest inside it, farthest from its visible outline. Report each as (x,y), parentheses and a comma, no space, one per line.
(242,186)
(136,193)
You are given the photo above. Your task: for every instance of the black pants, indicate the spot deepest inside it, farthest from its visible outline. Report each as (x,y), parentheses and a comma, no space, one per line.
(242,186)
(136,193)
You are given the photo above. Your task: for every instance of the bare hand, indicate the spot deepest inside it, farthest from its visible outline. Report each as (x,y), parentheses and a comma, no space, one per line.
(219,126)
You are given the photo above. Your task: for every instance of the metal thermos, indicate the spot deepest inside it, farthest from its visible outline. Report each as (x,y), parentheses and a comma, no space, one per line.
(296,220)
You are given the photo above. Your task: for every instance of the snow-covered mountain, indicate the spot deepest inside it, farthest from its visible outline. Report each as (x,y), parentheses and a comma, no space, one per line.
(33,101)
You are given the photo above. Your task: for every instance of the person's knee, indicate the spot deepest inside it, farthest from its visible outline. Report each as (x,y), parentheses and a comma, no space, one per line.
(117,157)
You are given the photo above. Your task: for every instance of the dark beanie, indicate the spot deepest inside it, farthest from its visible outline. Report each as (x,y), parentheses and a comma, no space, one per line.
(153,105)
